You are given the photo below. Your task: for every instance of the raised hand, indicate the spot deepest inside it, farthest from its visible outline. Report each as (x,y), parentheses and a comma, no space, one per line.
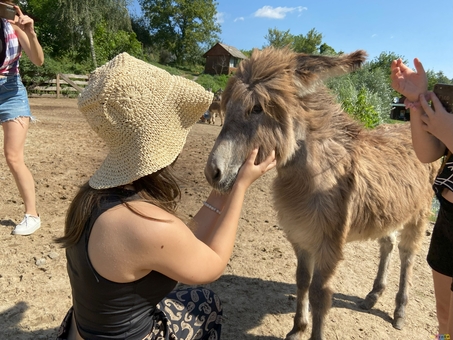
(407,82)
(24,22)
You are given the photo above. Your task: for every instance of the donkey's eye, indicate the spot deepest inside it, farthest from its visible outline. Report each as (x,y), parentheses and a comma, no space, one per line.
(257,109)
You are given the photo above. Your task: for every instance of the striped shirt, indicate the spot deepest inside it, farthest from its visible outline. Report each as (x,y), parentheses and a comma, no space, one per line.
(13,50)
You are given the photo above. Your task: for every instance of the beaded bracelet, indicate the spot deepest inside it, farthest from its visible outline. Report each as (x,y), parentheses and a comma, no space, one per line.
(207,205)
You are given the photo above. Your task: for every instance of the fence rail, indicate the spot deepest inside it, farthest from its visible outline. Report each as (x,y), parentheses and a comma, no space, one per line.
(63,85)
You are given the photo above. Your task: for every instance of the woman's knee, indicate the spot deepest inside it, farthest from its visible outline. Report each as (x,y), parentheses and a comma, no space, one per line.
(14,160)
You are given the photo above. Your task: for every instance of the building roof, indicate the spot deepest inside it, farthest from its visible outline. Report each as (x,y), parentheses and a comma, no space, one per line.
(231,50)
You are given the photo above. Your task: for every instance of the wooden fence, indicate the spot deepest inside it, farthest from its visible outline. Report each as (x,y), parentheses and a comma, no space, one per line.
(68,85)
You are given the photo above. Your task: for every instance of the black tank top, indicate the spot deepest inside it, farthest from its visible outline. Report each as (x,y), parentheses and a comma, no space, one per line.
(445,178)
(109,310)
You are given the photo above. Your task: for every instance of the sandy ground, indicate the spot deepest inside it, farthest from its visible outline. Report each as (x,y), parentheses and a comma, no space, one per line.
(258,287)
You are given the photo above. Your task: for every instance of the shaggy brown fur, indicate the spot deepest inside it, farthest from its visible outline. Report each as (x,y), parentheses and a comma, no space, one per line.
(337,182)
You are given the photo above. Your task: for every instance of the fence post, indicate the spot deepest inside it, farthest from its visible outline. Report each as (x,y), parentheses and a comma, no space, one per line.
(58,85)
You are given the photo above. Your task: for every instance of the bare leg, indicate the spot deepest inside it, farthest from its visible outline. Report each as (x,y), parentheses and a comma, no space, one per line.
(303,277)
(15,132)
(450,319)
(444,296)
(380,282)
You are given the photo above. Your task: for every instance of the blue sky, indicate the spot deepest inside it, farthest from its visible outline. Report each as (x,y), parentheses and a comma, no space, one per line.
(422,29)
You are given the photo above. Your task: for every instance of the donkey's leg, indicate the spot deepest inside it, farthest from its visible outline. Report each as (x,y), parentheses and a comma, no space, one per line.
(320,296)
(411,237)
(380,282)
(303,278)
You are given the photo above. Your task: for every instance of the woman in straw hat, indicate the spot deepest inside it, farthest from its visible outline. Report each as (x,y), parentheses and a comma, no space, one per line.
(126,249)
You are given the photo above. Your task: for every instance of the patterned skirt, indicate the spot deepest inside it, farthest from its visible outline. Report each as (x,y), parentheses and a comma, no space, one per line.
(184,314)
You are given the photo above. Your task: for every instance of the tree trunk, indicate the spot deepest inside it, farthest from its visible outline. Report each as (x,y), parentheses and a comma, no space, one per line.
(93,53)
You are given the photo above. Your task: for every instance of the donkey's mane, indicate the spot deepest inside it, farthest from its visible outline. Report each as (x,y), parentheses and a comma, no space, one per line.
(272,78)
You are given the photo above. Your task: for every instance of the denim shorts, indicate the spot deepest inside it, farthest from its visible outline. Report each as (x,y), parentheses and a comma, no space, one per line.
(440,253)
(13,99)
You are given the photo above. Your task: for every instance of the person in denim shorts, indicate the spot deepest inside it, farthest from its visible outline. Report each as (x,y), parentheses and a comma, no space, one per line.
(432,137)
(17,35)
(126,247)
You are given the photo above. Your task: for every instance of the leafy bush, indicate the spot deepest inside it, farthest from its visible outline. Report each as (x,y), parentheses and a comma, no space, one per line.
(360,108)
(213,82)
(370,89)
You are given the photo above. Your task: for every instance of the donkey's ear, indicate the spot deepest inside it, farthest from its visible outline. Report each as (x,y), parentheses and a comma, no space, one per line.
(311,68)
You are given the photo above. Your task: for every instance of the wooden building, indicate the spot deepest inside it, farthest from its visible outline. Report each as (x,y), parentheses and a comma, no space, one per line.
(222,59)
(398,110)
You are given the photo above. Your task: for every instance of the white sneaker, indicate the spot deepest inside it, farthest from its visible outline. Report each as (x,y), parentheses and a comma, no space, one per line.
(28,225)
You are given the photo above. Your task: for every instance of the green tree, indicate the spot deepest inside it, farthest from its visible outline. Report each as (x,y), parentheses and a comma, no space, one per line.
(279,39)
(109,44)
(437,78)
(372,85)
(82,16)
(328,50)
(384,61)
(309,43)
(183,27)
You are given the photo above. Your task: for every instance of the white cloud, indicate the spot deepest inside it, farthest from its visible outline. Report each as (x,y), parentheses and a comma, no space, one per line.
(277,12)
(239,19)
(374,35)
(220,17)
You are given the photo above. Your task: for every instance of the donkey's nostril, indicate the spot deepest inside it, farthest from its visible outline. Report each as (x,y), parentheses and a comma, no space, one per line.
(216,174)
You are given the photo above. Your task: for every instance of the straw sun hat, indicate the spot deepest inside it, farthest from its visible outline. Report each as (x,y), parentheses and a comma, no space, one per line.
(142,113)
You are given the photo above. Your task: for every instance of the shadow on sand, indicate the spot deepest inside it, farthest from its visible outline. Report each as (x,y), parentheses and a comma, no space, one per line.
(247,300)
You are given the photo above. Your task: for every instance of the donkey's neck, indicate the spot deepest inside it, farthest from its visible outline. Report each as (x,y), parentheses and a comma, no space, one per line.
(325,142)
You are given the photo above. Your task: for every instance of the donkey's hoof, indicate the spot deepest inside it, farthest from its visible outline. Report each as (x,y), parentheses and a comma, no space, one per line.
(296,334)
(369,302)
(398,323)
(293,336)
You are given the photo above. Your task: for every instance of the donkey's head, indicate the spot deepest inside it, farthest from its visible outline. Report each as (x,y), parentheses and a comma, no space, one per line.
(268,103)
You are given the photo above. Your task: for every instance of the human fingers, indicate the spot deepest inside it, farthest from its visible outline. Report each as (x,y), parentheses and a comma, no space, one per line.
(18,11)
(423,98)
(419,67)
(394,65)
(402,66)
(270,162)
(252,156)
(250,171)
(438,107)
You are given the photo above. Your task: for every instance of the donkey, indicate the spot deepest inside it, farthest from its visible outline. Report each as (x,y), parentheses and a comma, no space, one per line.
(336,181)
(213,110)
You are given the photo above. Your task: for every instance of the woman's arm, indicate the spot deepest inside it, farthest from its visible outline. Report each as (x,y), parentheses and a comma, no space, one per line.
(437,121)
(25,30)
(125,246)
(414,85)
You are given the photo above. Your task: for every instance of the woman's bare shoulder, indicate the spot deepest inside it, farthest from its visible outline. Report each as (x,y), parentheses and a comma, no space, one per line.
(140,223)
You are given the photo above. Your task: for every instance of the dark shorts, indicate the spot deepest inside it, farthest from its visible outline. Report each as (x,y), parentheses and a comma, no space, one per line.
(191,313)
(440,253)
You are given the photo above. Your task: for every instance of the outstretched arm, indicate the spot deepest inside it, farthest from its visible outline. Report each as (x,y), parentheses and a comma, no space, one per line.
(414,85)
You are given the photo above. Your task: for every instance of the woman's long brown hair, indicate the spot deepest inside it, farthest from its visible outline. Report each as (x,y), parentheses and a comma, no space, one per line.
(159,188)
